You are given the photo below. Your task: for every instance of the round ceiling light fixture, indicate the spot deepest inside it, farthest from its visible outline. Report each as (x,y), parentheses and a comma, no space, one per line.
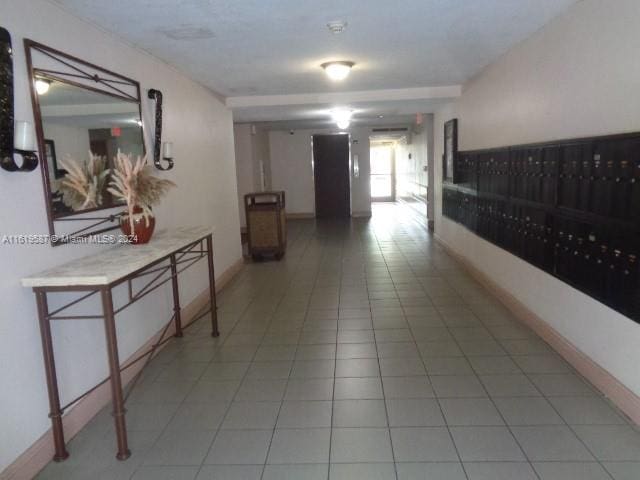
(337,71)
(42,86)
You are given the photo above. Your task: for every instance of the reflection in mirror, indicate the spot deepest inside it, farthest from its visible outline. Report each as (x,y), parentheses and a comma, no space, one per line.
(83,131)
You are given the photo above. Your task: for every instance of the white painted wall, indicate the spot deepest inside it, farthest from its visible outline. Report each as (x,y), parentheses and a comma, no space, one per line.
(253,164)
(68,141)
(292,171)
(578,76)
(411,170)
(200,127)
(244,165)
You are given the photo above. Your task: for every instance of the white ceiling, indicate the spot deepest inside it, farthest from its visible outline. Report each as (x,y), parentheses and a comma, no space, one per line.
(275,47)
(316,116)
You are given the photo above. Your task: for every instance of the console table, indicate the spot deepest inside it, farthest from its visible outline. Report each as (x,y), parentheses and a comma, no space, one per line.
(161,260)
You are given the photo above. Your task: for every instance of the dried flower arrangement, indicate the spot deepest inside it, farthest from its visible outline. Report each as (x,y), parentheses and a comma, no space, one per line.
(133,183)
(83,186)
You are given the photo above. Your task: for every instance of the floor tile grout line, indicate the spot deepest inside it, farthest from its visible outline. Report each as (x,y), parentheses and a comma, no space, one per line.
(446,425)
(241,380)
(565,423)
(275,425)
(183,402)
(402,260)
(384,396)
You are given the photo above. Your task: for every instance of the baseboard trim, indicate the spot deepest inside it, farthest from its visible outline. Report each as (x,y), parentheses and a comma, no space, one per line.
(300,216)
(36,457)
(229,274)
(626,400)
(366,214)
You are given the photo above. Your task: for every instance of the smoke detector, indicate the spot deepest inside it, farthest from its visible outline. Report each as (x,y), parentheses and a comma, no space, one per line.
(337,26)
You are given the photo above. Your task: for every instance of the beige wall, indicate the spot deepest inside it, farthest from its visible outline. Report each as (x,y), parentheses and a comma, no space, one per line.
(200,127)
(578,76)
(292,170)
(253,164)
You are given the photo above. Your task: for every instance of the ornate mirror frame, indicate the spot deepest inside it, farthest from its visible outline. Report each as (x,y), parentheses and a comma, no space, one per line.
(61,67)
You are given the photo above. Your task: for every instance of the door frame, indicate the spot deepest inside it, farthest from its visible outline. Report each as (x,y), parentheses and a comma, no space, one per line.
(393,173)
(349,167)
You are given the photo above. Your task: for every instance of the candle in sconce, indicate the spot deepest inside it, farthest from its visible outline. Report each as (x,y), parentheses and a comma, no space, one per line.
(24,138)
(167,150)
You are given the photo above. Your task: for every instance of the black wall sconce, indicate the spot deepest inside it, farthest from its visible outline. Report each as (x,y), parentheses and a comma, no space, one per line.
(167,147)
(19,140)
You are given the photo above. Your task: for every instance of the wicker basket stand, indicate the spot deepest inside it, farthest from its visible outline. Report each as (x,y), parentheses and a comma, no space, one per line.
(266,224)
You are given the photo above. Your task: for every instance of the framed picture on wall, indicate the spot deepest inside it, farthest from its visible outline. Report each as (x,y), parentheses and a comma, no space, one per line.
(52,161)
(450,150)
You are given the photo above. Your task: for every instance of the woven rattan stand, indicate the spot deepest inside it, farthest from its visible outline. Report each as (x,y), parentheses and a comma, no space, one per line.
(266,224)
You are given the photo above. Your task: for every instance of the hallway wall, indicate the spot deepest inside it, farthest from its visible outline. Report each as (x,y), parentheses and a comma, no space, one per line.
(563,82)
(421,150)
(201,128)
(252,162)
(292,169)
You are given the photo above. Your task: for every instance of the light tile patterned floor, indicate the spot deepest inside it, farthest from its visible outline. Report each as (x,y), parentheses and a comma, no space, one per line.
(367,353)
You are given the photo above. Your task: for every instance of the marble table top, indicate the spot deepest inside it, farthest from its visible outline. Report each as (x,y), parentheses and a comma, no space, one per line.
(115,263)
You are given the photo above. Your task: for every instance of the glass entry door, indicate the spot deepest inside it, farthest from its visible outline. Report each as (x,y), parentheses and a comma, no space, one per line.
(383,182)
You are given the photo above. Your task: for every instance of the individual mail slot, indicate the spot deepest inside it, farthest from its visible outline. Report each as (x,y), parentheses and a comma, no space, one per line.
(569,178)
(614,274)
(566,242)
(502,173)
(483,218)
(631,284)
(561,253)
(550,160)
(602,188)
(593,252)
(518,178)
(625,155)
(519,229)
(533,161)
(485,176)
(533,187)
(585,183)
(621,266)
(610,193)
(622,189)
(509,222)
(581,265)
(634,195)
(468,173)
(532,238)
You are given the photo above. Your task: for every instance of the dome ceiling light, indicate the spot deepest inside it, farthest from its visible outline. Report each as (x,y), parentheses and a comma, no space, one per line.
(337,71)
(342,117)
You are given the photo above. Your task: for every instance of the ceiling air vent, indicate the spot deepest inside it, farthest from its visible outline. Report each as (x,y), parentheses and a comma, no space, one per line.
(392,129)
(188,33)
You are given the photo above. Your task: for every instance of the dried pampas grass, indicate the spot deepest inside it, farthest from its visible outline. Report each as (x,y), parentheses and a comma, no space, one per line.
(83,185)
(133,183)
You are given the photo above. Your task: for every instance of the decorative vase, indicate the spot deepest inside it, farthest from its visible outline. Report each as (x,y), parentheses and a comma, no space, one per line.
(141,230)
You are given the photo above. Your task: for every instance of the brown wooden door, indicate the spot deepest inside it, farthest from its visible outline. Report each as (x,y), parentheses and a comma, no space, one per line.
(331,175)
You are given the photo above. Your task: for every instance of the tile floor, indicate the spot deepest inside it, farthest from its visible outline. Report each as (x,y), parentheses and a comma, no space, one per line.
(367,353)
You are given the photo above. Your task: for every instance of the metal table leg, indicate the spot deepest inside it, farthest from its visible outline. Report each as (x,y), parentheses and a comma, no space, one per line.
(176,296)
(212,289)
(55,413)
(114,369)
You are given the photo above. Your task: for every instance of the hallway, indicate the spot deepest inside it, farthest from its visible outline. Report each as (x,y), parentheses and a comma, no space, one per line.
(366,353)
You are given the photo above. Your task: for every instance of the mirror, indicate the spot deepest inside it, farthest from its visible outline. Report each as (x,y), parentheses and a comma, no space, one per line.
(83,115)
(76,121)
